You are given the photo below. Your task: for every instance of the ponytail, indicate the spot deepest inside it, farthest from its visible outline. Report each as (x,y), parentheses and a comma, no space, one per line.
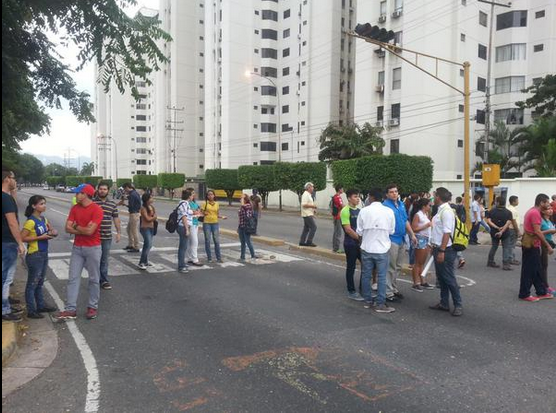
(34,200)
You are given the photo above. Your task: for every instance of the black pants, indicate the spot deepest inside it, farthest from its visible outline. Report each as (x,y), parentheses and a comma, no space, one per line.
(353,253)
(531,272)
(309,230)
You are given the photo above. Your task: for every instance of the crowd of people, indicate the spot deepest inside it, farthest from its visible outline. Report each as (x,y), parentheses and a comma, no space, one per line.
(377,232)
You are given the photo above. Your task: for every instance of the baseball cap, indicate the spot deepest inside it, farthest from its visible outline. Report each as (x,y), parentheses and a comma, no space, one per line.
(85,189)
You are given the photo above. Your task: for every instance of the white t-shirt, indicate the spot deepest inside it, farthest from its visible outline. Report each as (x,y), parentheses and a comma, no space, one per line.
(475,212)
(307,199)
(184,210)
(423,220)
(375,223)
(443,223)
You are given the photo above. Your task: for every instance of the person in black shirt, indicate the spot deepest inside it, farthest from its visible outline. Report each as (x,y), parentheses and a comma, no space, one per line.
(133,207)
(499,220)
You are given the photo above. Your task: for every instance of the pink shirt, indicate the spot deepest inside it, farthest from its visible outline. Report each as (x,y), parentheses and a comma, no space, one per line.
(532,217)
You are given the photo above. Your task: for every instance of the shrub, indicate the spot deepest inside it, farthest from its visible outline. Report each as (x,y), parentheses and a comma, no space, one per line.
(121,181)
(145,182)
(171,181)
(225,179)
(91,180)
(74,181)
(259,177)
(294,176)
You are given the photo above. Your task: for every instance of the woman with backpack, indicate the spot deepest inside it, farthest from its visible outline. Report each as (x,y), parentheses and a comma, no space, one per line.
(147,227)
(246,226)
(36,232)
(185,224)
(211,214)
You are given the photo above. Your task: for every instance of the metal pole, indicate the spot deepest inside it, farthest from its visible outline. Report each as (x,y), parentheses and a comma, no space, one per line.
(466,142)
(488,86)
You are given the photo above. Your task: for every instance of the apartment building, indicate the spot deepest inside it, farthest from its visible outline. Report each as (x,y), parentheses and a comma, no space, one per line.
(420,115)
(276,73)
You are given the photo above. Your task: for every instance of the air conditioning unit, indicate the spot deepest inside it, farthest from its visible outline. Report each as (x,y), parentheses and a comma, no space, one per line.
(379,88)
(380,52)
(382,18)
(397,14)
(379,124)
(394,122)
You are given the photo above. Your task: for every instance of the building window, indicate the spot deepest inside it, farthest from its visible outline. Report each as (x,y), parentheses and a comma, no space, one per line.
(270,15)
(268,146)
(267,110)
(483,18)
(536,81)
(383,8)
(141,129)
(286,109)
(269,53)
(268,91)
(256,88)
(481,84)
(286,127)
(398,38)
(141,151)
(286,52)
(141,106)
(538,48)
(539,14)
(396,109)
(380,113)
(394,146)
(509,84)
(302,123)
(141,140)
(201,22)
(141,117)
(256,12)
(461,108)
(480,117)
(285,71)
(460,143)
(482,51)
(516,18)
(256,31)
(462,73)
(512,51)
(462,37)
(512,116)
(397,78)
(285,146)
(286,14)
(285,90)
(286,33)
(255,145)
(256,51)
(269,71)
(201,166)
(268,127)
(269,34)
(141,161)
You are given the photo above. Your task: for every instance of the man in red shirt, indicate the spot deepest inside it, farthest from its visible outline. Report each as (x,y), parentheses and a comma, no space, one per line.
(336,209)
(84,222)
(531,266)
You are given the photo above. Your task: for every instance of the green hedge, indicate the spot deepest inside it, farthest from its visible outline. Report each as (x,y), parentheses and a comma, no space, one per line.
(91,180)
(171,181)
(410,173)
(294,176)
(225,179)
(108,182)
(74,180)
(54,181)
(145,181)
(121,181)
(259,177)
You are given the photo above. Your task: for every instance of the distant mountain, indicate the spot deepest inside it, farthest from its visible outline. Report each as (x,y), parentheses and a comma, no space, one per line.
(75,162)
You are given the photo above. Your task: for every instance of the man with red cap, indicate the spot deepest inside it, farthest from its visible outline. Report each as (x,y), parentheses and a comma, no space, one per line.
(84,222)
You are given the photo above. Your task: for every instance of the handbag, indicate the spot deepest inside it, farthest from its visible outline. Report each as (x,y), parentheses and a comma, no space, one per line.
(155,227)
(202,218)
(528,240)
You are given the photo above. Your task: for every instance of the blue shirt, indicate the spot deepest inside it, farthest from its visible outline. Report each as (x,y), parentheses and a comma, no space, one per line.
(401,219)
(134,202)
(194,206)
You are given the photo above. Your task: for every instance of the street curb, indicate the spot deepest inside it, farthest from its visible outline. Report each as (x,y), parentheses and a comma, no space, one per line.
(9,340)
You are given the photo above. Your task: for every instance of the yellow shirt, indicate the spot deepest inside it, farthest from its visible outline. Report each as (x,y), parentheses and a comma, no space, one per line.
(36,246)
(307,199)
(211,212)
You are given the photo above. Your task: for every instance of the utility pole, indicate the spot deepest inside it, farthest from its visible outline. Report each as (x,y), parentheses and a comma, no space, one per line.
(488,107)
(171,126)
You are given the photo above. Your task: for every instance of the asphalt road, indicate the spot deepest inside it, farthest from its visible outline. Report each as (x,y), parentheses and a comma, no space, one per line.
(281,336)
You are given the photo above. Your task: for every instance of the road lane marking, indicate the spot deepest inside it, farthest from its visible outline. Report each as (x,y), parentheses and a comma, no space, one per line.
(89,361)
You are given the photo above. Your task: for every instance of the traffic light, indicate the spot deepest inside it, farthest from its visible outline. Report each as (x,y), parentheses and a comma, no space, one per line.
(374,32)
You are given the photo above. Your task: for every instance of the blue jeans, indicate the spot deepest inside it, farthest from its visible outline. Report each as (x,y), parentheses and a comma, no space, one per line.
(446,278)
(506,248)
(37,263)
(182,248)
(370,261)
(245,240)
(214,231)
(105,244)
(474,232)
(9,261)
(147,234)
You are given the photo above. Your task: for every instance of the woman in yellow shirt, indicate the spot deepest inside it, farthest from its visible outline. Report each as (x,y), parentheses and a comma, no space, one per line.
(36,232)
(210,213)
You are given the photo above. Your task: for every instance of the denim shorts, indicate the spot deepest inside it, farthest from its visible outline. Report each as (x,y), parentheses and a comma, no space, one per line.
(422,242)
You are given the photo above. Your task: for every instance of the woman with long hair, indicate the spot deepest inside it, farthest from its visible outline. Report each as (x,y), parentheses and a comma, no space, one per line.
(245,213)
(210,212)
(147,227)
(421,226)
(36,232)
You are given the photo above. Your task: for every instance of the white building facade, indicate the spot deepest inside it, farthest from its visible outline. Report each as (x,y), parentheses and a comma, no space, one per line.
(276,73)
(420,115)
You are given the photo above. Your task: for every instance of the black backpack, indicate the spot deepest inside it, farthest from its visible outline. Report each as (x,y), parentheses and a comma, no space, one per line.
(172,223)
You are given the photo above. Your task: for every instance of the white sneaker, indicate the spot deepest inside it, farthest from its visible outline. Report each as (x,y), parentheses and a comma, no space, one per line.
(150,264)
(374,287)
(142,266)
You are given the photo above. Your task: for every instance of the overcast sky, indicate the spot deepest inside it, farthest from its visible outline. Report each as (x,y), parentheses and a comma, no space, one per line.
(65,131)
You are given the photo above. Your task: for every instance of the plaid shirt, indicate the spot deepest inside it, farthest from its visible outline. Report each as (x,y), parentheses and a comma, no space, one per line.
(245,211)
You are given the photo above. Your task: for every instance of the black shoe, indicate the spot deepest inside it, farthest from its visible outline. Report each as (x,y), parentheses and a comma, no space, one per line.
(310,244)
(302,244)
(34,315)
(106,285)
(16,310)
(133,250)
(128,248)
(399,295)
(439,307)
(196,264)
(392,298)
(16,318)
(47,309)
(14,300)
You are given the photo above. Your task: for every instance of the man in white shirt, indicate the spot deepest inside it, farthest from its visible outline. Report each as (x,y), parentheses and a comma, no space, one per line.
(308,209)
(476,219)
(375,224)
(444,255)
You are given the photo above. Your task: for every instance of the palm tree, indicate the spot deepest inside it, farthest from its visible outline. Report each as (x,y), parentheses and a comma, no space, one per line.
(88,168)
(505,147)
(536,147)
(349,142)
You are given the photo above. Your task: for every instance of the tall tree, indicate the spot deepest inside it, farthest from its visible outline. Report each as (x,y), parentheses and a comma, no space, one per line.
(87,169)
(543,101)
(536,146)
(35,77)
(349,141)
(505,147)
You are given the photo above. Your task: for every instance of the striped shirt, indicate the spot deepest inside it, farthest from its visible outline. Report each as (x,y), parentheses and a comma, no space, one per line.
(110,210)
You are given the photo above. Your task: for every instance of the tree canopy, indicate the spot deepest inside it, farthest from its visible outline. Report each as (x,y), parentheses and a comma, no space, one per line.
(543,101)
(34,75)
(349,142)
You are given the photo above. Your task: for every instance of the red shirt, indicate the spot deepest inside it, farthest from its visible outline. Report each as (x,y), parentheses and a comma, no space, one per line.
(339,204)
(83,216)
(532,217)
